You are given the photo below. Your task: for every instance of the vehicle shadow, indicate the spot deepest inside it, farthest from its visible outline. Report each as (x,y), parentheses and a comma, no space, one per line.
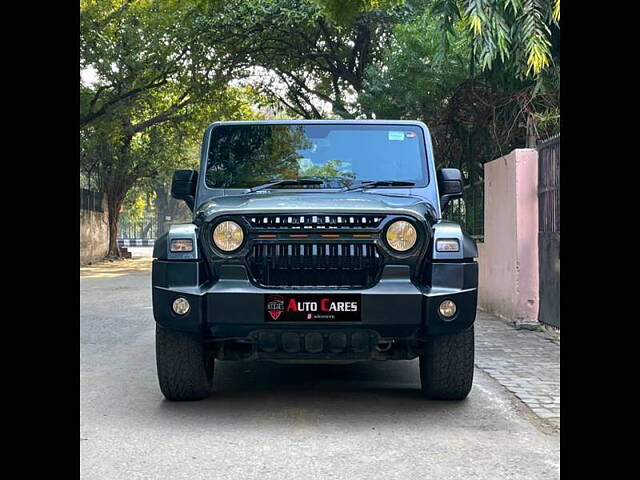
(266,392)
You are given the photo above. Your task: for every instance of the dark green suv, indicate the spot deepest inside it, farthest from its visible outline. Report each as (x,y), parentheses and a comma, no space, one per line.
(318,242)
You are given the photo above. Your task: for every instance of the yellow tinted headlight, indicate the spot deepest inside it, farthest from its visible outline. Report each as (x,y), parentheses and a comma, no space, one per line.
(401,236)
(228,236)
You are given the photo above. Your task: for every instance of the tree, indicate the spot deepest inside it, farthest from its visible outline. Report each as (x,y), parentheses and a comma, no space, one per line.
(302,55)
(515,33)
(151,70)
(474,115)
(137,47)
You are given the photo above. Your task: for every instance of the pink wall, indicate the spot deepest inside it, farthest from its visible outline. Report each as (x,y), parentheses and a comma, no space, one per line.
(509,255)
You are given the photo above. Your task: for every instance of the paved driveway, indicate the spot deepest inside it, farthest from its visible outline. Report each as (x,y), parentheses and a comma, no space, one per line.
(270,421)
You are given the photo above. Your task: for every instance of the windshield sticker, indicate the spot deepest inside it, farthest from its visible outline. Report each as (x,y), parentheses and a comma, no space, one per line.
(396,135)
(411,135)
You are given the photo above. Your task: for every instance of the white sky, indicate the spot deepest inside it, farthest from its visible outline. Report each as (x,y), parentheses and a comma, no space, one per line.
(88,76)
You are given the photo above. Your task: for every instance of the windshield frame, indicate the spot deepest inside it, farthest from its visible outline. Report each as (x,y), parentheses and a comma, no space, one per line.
(425,146)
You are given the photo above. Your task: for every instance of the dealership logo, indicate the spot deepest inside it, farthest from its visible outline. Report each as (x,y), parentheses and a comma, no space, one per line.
(275,306)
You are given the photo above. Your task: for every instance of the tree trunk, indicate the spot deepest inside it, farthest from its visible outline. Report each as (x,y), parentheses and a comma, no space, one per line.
(115,188)
(145,229)
(114,205)
(162,208)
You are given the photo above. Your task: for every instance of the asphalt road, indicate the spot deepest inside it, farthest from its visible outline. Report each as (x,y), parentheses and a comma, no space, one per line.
(270,421)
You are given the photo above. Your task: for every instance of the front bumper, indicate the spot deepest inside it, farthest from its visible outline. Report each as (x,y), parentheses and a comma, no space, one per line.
(233,307)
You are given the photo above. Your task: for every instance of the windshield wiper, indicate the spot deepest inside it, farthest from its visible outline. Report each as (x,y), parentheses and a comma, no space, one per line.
(379,183)
(284,183)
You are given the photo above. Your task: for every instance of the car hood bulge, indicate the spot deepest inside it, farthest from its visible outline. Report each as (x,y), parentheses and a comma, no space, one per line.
(338,202)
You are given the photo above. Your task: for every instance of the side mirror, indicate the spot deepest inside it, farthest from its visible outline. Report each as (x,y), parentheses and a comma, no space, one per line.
(449,185)
(183,186)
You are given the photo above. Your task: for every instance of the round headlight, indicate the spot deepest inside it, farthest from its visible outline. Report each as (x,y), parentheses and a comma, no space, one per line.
(228,236)
(401,236)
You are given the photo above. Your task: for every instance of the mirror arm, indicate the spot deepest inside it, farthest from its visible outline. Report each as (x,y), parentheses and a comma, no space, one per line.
(445,199)
(190,202)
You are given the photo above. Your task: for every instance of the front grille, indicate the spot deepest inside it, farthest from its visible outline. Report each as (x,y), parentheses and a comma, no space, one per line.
(315,264)
(315,221)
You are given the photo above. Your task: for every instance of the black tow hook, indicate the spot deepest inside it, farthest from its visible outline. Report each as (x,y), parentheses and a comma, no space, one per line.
(384,345)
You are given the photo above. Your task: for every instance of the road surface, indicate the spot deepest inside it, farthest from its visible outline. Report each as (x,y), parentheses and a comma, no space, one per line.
(269,421)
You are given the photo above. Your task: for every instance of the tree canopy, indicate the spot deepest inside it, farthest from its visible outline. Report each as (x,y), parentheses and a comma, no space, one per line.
(484,75)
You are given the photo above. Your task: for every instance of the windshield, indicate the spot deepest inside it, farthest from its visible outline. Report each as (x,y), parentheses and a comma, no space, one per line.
(243,156)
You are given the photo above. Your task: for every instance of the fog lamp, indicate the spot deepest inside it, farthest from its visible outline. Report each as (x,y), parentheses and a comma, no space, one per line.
(447,309)
(180,306)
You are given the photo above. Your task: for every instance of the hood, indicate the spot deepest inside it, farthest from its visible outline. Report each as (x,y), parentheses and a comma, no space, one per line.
(328,202)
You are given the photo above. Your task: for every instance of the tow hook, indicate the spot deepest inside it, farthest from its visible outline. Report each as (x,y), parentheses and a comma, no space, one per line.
(384,345)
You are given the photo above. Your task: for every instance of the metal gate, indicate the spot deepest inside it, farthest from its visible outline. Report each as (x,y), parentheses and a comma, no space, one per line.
(549,230)
(468,211)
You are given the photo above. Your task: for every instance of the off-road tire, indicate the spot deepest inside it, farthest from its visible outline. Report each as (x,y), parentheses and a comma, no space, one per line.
(185,371)
(446,366)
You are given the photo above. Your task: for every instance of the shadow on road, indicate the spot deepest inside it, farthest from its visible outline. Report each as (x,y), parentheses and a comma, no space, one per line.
(386,392)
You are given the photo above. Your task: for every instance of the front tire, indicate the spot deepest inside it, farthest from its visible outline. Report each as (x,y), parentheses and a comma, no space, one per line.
(446,366)
(185,370)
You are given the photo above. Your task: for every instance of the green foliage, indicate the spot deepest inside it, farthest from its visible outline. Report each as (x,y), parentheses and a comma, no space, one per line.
(344,12)
(137,202)
(515,32)
(253,156)
(416,81)
(473,117)
(331,169)
(295,51)
(156,87)
(475,71)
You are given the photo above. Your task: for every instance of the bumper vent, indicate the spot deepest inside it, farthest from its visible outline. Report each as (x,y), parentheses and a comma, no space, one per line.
(355,265)
(314,221)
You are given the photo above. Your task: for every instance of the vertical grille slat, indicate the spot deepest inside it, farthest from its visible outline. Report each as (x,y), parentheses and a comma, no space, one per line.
(315,264)
(308,263)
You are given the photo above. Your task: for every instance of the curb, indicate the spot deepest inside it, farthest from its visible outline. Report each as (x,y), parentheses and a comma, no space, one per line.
(136,242)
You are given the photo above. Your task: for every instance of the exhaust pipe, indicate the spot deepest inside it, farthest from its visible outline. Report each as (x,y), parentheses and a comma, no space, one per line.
(384,345)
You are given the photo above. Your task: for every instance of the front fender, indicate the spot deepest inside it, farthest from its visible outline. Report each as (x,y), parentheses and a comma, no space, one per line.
(446,229)
(162,250)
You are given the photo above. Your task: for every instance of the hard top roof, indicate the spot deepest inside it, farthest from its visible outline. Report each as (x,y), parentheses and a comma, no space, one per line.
(311,122)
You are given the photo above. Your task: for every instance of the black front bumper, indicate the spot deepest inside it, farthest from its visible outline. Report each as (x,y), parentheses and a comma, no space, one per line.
(232,308)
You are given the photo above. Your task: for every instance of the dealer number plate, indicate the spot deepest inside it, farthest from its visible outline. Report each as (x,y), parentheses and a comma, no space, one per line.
(312,308)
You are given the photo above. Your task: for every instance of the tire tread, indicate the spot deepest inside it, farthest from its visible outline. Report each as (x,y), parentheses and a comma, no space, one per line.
(446,366)
(182,366)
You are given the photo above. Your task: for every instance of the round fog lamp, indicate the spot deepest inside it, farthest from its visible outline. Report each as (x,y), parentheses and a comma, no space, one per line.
(447,309)
(180,306)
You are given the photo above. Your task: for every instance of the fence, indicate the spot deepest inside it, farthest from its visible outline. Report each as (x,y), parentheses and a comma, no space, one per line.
(468,211)
(90,200)
(549,185)
(549,230)
(145,228)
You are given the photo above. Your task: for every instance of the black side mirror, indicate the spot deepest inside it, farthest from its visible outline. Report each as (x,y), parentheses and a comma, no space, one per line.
(449,185)
(183,186)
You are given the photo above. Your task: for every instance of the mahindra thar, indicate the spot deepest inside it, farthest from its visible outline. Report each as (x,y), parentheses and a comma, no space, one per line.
(318,242)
